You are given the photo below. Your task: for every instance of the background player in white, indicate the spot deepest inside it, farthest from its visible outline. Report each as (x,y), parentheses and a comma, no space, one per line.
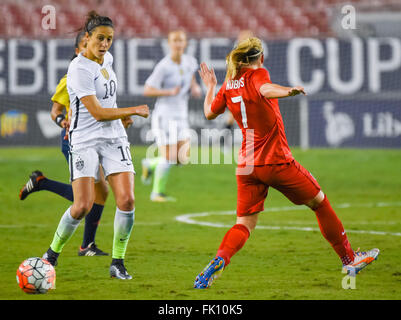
(171,81)
(97,137)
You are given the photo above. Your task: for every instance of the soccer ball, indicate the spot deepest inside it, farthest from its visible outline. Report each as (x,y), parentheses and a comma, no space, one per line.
(36,275)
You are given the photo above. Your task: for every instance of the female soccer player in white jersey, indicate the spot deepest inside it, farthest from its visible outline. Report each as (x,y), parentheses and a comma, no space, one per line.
(97,137)
(171,81)
(38,182)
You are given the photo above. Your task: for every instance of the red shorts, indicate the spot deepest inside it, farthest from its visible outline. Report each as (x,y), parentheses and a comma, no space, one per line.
(291,179)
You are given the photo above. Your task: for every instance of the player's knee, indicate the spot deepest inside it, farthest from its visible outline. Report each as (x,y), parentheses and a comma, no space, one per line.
(248,221)
(126,202)
(316,201)
(80,209)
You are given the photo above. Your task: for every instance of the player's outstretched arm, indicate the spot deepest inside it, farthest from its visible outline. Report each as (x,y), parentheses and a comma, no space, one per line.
(274,91)
(154,92)
(209,79)
(107,114)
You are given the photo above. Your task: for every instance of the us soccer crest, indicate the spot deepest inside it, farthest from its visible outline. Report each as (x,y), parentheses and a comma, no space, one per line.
(105,73)
(79,164)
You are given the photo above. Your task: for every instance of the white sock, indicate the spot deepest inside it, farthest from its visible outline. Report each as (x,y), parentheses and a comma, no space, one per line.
(123,224)
(65,230)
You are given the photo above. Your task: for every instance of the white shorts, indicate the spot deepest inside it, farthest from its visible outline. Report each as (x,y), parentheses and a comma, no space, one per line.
(113,154)
(168,130)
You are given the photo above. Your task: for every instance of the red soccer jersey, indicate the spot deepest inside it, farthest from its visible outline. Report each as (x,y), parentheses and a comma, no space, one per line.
(264,141)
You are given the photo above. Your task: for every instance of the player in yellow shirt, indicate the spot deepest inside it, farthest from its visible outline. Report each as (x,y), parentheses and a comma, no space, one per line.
(37,181)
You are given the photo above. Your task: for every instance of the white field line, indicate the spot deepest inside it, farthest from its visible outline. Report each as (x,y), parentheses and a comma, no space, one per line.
(189,218)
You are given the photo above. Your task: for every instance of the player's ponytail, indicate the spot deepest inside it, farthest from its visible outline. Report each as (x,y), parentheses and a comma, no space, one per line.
(78,39)
(246,52)
(93,20)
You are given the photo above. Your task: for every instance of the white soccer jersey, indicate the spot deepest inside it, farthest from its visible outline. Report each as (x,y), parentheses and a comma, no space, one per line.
(84,78)
(167,74)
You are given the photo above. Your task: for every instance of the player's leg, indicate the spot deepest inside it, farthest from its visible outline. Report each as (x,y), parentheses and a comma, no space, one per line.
(250,200)
(234,239)
(122,185)
(183,151)
(333,231)
(298,185)
(84,169)
(168,156)
(37,181)
(92,219)
(84,196)
(331,227)
(159,133)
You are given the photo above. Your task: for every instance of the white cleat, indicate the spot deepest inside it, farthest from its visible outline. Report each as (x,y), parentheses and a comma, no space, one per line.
(118,271)
(361,260)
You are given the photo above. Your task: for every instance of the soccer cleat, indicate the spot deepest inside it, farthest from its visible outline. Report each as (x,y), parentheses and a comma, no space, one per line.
(51,257)
(91,250)
(146,176)
(211,272)
(32,185)
(161,197)
(361,260)
(118,271)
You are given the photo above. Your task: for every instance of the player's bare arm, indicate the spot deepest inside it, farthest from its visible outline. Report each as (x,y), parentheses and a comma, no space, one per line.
(57,114)
(107,114)
(274,91)
(209,79)
(154,92)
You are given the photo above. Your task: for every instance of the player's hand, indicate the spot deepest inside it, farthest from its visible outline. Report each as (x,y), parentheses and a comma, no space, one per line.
(207,75)
(174,91)
(64,124)
(296,90)
(67,126)
(142,111)
(127,122)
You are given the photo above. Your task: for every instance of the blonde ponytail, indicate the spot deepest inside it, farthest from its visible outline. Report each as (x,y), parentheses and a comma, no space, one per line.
(246,52)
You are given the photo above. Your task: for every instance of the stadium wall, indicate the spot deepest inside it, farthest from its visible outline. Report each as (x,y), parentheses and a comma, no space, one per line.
(353,86)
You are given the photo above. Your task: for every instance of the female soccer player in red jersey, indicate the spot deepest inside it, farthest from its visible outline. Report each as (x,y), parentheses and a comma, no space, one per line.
(265,160)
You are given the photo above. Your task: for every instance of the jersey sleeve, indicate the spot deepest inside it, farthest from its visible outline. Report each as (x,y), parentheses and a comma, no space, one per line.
(219,102)
(260,77)
(155,79)
(82,82)
(61,95)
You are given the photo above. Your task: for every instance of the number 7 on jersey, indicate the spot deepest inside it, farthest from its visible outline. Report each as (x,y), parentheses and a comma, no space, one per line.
(238,99)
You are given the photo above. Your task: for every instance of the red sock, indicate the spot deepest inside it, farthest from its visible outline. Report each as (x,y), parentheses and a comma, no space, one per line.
(233,241)
(333,230)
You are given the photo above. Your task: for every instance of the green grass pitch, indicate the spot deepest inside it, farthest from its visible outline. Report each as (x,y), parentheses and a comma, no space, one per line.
(286,258)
